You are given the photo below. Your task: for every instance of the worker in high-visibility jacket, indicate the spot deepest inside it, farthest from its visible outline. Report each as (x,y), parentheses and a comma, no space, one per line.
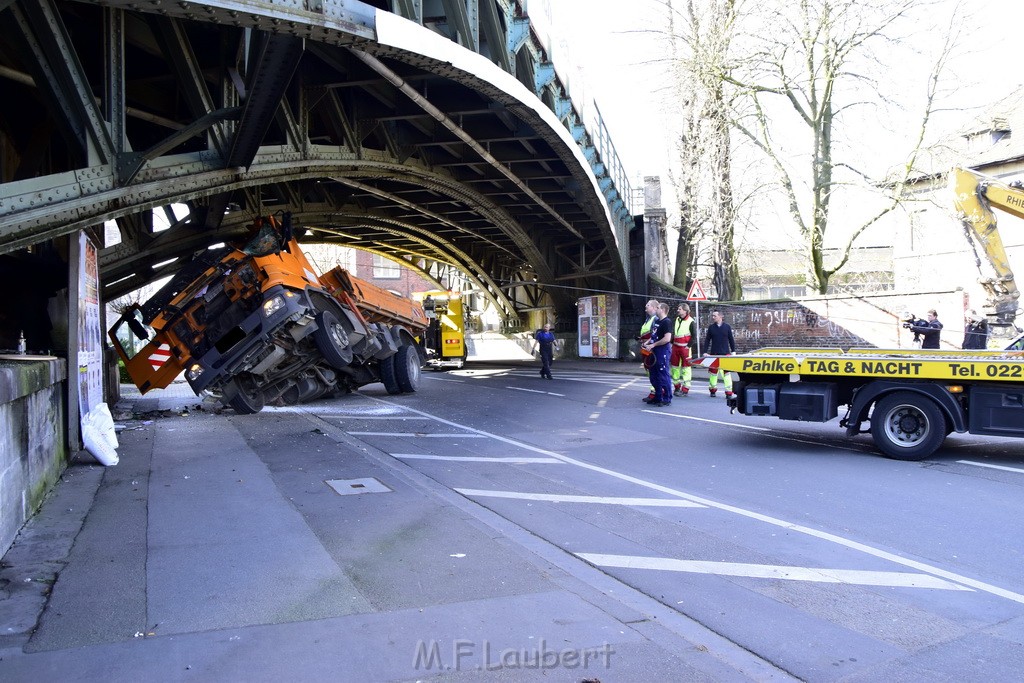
(651,309)
(684,335)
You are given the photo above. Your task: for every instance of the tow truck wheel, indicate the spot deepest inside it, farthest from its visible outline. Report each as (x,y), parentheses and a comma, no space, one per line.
(331,339)
(407,368)
(907,426)
(248,398)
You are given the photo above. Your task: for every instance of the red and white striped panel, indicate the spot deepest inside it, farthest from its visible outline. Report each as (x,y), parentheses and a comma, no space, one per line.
(709,362)
(159,356)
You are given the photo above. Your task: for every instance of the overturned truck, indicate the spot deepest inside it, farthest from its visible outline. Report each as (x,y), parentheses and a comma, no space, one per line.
(256,325)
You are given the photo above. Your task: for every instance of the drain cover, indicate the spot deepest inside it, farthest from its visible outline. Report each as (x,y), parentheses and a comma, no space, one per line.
(349,487)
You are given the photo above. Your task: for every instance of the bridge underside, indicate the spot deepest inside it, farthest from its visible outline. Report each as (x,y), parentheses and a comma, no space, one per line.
(373,131)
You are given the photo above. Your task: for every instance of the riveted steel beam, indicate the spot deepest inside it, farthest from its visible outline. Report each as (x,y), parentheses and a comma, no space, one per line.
(464,18)
(275,62)
(410,9)
(60,76)
(114,101)
(490,25)
(440,116)
(174,43)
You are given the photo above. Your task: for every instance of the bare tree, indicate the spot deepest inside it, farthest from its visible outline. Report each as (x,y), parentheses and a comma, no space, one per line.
(700,35)
(816,58)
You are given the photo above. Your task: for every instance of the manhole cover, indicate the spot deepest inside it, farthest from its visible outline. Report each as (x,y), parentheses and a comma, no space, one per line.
(349,487)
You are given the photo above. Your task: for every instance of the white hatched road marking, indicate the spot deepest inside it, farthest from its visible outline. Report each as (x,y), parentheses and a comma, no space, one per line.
(378,417)
(565,498)
(477,458)
(750,514)
(767,571)
(535,391)
(423,435)
(993,467)
(772,435)
(704,419)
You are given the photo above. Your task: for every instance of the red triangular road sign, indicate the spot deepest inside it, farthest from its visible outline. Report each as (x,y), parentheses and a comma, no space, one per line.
(696,292)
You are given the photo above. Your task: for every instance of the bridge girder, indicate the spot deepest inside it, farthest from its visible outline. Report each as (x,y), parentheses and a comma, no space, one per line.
(316,111)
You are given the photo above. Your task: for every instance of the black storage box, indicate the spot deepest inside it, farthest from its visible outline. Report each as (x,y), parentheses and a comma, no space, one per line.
(808,401)
(760,399)
(997,410)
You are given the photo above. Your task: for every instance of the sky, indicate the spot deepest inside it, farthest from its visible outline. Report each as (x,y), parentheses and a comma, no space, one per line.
(624,70)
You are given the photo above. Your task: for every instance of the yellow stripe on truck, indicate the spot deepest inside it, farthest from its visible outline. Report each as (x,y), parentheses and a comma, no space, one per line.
(903,366)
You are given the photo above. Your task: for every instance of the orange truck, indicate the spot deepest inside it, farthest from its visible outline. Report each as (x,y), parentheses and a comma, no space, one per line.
(255,325)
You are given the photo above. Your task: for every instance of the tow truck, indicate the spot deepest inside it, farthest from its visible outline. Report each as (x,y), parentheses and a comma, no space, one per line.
(255,324)
(911,399)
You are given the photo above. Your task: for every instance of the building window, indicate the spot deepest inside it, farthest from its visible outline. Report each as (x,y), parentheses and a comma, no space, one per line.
(385,269)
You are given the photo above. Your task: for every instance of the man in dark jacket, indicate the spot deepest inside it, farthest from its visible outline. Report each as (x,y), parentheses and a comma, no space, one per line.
(927,331)
(719,342)
(546,341)
(975,331)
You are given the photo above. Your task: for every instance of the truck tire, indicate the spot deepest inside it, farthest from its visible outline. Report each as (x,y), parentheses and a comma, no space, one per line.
(388,376)
(407,368)
(248,399)
(907,426)
(331,339)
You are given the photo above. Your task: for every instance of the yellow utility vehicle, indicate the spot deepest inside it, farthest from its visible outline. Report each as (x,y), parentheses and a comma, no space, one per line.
(445,338)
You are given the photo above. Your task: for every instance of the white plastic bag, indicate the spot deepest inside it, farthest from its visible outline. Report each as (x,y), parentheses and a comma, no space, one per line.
(99,436)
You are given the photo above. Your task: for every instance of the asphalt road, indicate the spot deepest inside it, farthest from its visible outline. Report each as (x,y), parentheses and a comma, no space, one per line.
(519,516)
(798,544)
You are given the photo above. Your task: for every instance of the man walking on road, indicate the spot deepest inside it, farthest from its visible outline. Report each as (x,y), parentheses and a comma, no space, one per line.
(685,333)
(546,340)
(719,342)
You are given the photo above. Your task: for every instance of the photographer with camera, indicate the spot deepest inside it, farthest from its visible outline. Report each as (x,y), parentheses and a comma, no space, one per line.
(926,332)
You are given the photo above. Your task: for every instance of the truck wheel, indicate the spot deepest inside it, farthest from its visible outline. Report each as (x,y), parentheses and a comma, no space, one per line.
(388,376)
(907,426)
(248,398)
(331,339)
(407,368)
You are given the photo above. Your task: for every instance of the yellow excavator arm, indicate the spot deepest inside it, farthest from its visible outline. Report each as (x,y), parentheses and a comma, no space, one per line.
(974,196)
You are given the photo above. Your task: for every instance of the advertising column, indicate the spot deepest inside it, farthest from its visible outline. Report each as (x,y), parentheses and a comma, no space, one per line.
(598,326)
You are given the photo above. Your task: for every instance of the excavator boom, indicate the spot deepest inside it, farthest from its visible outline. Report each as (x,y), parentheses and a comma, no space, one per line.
(975,196)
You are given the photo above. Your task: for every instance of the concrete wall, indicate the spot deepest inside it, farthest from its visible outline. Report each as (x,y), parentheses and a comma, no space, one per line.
(32,438)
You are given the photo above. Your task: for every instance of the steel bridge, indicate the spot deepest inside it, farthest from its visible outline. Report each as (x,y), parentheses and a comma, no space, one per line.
(433,132)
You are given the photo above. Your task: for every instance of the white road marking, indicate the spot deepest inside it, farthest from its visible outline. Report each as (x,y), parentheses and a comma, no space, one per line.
(767,571)
(421,435)
(767,519)
(476,458)
(536,391)
(380,417)
(703,419)
(445,379)
(772,435)
(994,467)
(565,498)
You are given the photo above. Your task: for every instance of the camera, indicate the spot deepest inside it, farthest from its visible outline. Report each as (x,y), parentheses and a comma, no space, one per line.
(907,326)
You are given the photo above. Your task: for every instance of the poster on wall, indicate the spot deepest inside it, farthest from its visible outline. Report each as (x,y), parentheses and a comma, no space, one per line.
(598,326)
(90,336)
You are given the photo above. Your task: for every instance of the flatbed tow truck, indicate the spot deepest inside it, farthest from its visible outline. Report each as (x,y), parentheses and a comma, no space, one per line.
(912,399)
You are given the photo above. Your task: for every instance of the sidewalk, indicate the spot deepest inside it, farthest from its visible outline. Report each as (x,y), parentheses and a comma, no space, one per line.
(217,550)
